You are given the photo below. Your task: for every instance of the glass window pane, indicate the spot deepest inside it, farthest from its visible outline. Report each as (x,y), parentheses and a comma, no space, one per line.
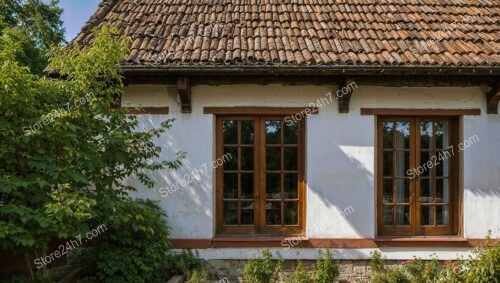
(426,164)
(291,185)
(388,219)
(442,191)
(247,213)
(402,215)
(273,186)
(426,193)
(290,132)
(291,212)
(427,215)
(273,158)
(388,163)
(273,213)
(387,129)
(232,163)
(291,158)
(247,155)
(402,190)
(230,212)
(442,135)
(402,135)
(230,132)
(247,132)
(387,190)
(402,163)
(247,185)
(426,135)
(273,132)
(442,215)
(230,185)
(442,165)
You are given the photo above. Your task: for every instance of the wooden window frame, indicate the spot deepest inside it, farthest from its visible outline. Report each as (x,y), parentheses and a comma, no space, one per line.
(259,227)
(415,229)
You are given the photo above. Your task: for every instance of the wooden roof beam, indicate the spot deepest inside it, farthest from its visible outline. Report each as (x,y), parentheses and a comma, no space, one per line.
(492,99)
(184,90)
(344,93)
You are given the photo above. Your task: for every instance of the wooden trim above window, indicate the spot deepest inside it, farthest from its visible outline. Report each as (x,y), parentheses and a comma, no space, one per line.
(256,110)
(145,110)
(419,112)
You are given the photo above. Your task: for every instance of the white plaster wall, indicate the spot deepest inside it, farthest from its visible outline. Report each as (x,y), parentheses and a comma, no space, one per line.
(340,158)
(305,254)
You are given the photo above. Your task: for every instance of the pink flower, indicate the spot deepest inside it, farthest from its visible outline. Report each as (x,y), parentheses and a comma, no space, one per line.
(406,262)
(306,267)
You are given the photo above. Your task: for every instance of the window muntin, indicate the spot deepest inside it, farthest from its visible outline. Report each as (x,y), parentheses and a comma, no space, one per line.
(261,190)
(417,176)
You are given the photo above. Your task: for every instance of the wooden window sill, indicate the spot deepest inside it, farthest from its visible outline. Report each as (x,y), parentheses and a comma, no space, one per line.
(423,241)
(299,241)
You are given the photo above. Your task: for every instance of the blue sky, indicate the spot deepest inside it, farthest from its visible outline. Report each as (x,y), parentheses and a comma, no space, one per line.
(76,13)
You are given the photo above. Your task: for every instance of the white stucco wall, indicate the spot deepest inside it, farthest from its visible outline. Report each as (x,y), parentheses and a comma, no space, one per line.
(340,158)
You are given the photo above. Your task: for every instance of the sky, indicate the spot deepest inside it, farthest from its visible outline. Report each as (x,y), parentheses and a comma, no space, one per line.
(76,13)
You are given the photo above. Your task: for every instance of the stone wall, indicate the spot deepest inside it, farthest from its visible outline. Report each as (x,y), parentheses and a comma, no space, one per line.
(350,270)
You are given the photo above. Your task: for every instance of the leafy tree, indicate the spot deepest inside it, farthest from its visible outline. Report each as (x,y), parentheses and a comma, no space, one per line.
(64,150)
(36,25)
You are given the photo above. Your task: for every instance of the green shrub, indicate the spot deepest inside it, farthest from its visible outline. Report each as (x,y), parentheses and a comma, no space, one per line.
(420,271)
(326,270)
(377,262)
(484,265)
(380,273)
(299,275)
(452,272)
(184,263)
(25,279)
(198,276)
(391,276)
(134,247)
(262,270)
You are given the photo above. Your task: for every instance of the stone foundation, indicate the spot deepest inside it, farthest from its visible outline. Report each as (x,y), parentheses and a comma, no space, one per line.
(350,270)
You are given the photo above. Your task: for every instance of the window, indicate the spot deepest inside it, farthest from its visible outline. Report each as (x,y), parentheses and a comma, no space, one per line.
(417,176)
(260,190)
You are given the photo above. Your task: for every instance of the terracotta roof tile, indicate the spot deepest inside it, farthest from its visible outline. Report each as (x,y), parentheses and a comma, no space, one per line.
(313,32)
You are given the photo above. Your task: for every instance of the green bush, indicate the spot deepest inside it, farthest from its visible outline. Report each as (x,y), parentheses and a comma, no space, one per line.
(25,279)
(391,276)
(262,270)
(326,270)
(420,271)
(182,264)
(65,151)
(134,247)
(380,273)
(451,272)
(484,265)
(198,276)
(299,275)
(377,262)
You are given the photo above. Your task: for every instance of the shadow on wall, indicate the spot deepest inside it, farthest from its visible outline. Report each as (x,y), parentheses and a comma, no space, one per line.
(490,192)
(193,214)
(346,181)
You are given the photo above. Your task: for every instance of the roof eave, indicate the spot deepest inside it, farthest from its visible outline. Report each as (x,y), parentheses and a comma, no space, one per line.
(235,70)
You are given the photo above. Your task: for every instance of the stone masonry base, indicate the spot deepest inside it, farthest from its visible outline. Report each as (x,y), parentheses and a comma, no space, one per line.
(350,270)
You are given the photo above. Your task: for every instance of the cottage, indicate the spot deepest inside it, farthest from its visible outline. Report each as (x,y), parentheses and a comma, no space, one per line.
(353,125)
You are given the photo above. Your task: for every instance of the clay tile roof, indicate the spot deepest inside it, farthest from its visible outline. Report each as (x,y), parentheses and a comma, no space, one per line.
(421,33)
